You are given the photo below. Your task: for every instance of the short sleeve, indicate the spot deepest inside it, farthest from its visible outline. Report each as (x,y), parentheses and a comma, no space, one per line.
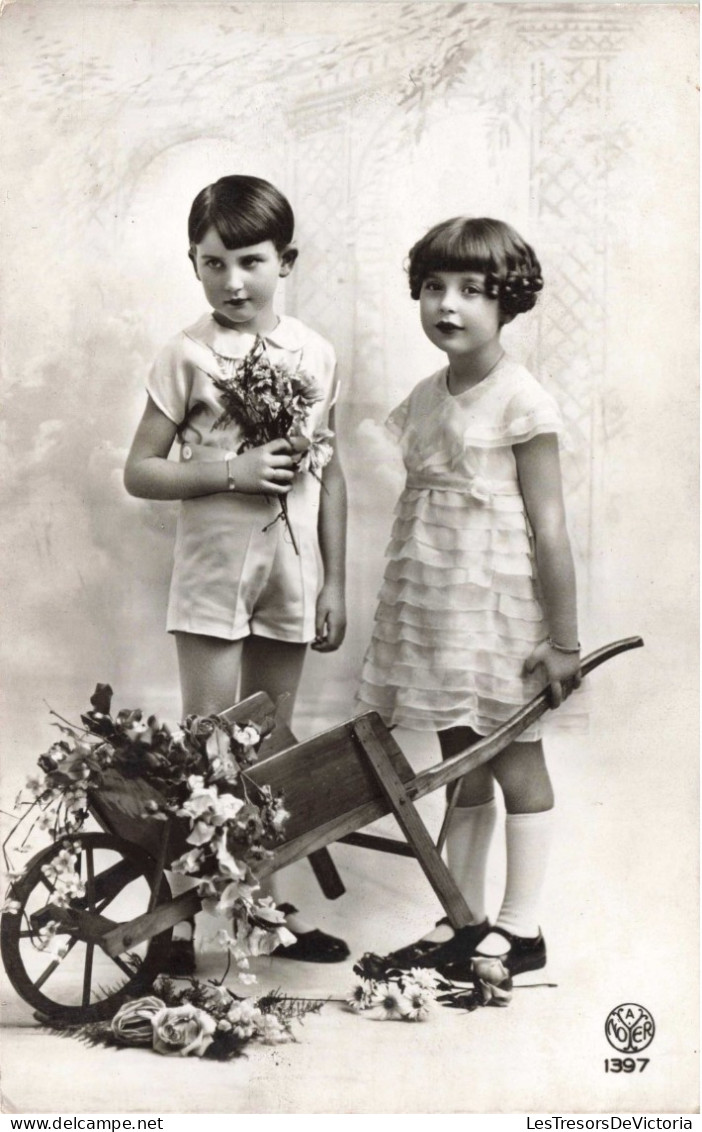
(396,423)
(530,412)
(170,380)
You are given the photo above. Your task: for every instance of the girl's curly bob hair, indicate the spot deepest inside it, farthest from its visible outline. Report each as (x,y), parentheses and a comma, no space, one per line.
(488,247)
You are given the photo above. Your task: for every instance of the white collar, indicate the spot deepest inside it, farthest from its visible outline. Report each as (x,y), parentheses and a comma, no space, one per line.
(230,343)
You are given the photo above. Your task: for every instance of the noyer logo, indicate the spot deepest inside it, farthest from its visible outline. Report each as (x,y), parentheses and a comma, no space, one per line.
(630,1027)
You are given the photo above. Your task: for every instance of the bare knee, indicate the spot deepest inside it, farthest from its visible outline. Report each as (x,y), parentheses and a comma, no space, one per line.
(476,787)
(523,778)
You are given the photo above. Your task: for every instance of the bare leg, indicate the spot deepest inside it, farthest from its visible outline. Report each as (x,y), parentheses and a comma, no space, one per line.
(209,672)
(274,667)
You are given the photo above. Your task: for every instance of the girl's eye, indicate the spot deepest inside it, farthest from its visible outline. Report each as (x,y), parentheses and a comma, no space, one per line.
(213,263)
(472,289)
(432,285)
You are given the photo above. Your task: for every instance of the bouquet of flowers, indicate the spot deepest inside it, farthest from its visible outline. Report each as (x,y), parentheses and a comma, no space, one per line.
(197,773)
(200,1019)
(272,402)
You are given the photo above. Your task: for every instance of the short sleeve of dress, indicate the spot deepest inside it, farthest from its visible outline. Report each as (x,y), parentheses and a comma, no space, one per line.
(396,423)
(530,412)
(170,381)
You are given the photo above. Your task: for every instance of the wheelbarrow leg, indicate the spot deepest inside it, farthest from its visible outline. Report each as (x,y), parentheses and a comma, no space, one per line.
(412,826)
(327,874)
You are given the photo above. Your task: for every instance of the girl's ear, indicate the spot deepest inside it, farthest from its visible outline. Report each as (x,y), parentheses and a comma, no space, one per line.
(287,260)
(191,257)
(505,318)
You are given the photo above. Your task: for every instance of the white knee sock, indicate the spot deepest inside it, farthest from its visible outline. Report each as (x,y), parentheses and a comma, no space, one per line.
(528,843)
(467,847)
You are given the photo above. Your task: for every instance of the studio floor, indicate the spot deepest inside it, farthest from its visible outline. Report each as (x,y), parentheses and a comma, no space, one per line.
(617,928)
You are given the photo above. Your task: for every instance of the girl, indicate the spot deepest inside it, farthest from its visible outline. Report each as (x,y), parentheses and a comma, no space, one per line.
(478,600)
(243,602)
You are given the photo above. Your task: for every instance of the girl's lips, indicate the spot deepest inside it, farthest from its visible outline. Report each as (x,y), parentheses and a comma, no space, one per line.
(447,327)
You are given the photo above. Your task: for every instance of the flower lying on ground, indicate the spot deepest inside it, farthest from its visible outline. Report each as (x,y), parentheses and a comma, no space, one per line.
(200,1019)
(386,992)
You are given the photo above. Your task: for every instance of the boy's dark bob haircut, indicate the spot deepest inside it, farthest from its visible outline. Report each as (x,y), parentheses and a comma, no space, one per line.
(487,247)
(243,211)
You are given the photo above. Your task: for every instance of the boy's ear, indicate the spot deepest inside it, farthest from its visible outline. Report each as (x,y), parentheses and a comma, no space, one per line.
(287,260)
(191,257)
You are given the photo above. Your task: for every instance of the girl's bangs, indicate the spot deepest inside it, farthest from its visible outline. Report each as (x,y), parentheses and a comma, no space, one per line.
(461,250)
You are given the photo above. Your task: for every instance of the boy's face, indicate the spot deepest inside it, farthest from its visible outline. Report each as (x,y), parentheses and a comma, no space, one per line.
(240,283)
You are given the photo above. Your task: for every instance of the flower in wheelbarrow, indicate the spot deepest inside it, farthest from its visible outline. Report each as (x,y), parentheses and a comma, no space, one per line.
(247,736)
(131,1024)
(182,1030)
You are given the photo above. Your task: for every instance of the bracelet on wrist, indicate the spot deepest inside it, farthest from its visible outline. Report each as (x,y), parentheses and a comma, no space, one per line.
(231,482)
(562,648)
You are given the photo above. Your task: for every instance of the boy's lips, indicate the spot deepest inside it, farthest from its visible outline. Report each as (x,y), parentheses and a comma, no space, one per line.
(447,327)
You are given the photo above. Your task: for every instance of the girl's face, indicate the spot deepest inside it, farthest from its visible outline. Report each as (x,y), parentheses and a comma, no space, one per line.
(457,315)
(240,283)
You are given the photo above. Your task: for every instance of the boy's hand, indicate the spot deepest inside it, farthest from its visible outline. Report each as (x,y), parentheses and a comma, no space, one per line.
(562,670)
(268,470)
(330,625)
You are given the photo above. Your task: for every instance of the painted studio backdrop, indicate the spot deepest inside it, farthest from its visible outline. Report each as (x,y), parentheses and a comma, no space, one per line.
(377,120)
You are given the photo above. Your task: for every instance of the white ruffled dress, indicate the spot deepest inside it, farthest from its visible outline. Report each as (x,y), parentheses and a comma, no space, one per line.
(459,607)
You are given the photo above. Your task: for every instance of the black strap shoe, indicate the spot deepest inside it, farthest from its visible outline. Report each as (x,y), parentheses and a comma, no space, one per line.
(430,953)
(314,946)
(522,953)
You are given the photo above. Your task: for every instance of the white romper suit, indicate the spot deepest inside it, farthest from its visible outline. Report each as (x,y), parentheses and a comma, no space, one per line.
(459,607)
(230,578)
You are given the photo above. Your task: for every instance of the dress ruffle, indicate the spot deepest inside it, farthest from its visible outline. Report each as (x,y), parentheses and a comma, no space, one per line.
(459,609)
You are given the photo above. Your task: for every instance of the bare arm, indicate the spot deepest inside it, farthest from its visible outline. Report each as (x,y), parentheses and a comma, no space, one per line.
(149,474)
(331,607)
(539,472)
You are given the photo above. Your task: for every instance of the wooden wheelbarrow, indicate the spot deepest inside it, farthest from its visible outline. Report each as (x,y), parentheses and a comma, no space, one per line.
(333,785)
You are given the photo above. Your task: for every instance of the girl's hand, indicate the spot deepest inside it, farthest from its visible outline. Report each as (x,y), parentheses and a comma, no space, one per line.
(330,625)
(562,670)
(268,470)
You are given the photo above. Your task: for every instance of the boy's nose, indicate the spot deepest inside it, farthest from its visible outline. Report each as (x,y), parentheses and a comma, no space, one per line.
(234,282)
(448,302)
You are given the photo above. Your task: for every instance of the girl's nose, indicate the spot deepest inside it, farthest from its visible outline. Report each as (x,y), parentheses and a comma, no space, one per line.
(448,301)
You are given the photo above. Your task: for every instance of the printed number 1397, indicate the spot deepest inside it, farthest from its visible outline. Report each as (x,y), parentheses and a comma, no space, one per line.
(625,1064)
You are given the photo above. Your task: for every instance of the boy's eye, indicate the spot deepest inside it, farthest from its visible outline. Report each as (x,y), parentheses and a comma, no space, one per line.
(251,261)
(213,263)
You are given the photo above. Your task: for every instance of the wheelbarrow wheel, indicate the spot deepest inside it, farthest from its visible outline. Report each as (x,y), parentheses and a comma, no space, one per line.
(72,980)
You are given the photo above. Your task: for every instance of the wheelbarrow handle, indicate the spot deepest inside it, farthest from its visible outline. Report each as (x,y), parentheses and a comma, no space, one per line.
(486,749)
